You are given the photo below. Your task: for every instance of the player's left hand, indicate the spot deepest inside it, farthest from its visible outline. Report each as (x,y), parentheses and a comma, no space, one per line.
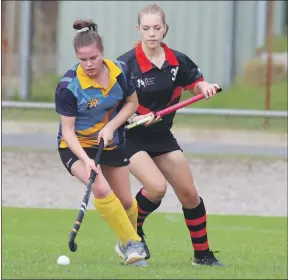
(207,89)
(107,133)
(154,119)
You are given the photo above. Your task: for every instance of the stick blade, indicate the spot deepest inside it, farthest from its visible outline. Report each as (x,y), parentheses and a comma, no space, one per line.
(72,246)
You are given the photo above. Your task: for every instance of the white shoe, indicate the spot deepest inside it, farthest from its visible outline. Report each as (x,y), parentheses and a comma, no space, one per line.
(120,250)
(132,253)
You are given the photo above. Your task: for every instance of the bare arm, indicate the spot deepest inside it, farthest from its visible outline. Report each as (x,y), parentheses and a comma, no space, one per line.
(128,109)
(68,132)
(196,90)
(192,79)
(206,88)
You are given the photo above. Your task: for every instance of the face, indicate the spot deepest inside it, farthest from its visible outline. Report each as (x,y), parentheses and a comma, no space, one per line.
(90,59)
(151,30)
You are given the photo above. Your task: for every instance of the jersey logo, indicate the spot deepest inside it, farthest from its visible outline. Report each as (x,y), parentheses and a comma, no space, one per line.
(140,83)
(93,103)
(85,106)
(174,73)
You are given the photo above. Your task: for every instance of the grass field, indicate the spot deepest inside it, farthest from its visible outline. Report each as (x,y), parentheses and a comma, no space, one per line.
(238,97)
(32,239)
(180,121)
(279,43)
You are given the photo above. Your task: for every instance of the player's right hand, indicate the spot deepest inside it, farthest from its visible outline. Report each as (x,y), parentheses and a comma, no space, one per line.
(153,119)
(90,165)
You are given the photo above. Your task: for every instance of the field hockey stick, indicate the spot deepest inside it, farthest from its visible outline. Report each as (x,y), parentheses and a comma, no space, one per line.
(170,109)
(82,210)
(182,104)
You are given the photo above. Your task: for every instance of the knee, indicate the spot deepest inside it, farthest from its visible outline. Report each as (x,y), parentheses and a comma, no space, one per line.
(190,198)
(101,188)
(127,202)
(101,192)
(156,191)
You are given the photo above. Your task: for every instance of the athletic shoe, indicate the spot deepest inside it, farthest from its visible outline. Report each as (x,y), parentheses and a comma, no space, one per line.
(143,237)
(207,259)
(132,252)
(120,250)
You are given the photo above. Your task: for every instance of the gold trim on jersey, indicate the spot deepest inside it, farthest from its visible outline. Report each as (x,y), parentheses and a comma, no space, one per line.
(86,82)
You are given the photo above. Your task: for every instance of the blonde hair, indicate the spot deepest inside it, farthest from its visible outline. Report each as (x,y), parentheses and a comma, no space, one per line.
(86,35)
(152,9)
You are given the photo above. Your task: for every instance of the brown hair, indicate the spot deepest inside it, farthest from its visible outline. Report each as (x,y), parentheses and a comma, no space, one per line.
(153,9)
(84,38)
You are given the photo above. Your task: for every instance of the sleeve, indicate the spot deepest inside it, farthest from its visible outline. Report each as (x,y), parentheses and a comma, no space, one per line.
(189,73)
(66,103)
(127,74)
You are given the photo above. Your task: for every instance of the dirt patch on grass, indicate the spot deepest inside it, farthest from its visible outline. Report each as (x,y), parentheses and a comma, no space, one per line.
(227,186)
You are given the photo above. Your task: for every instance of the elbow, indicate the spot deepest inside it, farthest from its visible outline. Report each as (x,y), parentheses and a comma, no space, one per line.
(135,105)
(66,132)
(133,102)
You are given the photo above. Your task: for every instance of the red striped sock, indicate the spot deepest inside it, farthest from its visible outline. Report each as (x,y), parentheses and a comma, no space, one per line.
(196,223)
(145,208)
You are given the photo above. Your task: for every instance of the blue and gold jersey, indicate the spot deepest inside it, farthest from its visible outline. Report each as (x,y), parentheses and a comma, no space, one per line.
(77,95)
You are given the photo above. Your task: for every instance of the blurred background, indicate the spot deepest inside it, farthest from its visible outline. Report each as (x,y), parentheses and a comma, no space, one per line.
(241,45)
(236,142)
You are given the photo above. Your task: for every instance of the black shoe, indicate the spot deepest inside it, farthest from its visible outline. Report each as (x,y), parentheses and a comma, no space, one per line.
(143,237)
(207,258)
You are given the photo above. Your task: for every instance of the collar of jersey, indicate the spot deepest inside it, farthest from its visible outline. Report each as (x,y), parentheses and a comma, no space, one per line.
(146,65)
(86,82)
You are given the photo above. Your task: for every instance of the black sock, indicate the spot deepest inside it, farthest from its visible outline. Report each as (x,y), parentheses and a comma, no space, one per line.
(145,207)
(196,222)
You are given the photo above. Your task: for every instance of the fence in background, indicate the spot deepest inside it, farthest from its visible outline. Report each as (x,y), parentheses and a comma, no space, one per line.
(38,21)
(51,34)
(47,18)
(184,111)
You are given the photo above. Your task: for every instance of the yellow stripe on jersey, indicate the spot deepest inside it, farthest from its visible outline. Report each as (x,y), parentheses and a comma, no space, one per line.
(85,143)
(98,126)
(90,134)
(94,129)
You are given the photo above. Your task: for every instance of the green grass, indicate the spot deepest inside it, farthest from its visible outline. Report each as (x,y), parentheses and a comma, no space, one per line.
(279,44)
(42,89)
(29,114)
(181,121)
(240,96)
(32,239)
(232,123)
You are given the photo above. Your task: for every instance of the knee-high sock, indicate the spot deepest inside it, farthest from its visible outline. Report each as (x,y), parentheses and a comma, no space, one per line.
(112,211)
(196,223)
(132,214)
(145,207)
